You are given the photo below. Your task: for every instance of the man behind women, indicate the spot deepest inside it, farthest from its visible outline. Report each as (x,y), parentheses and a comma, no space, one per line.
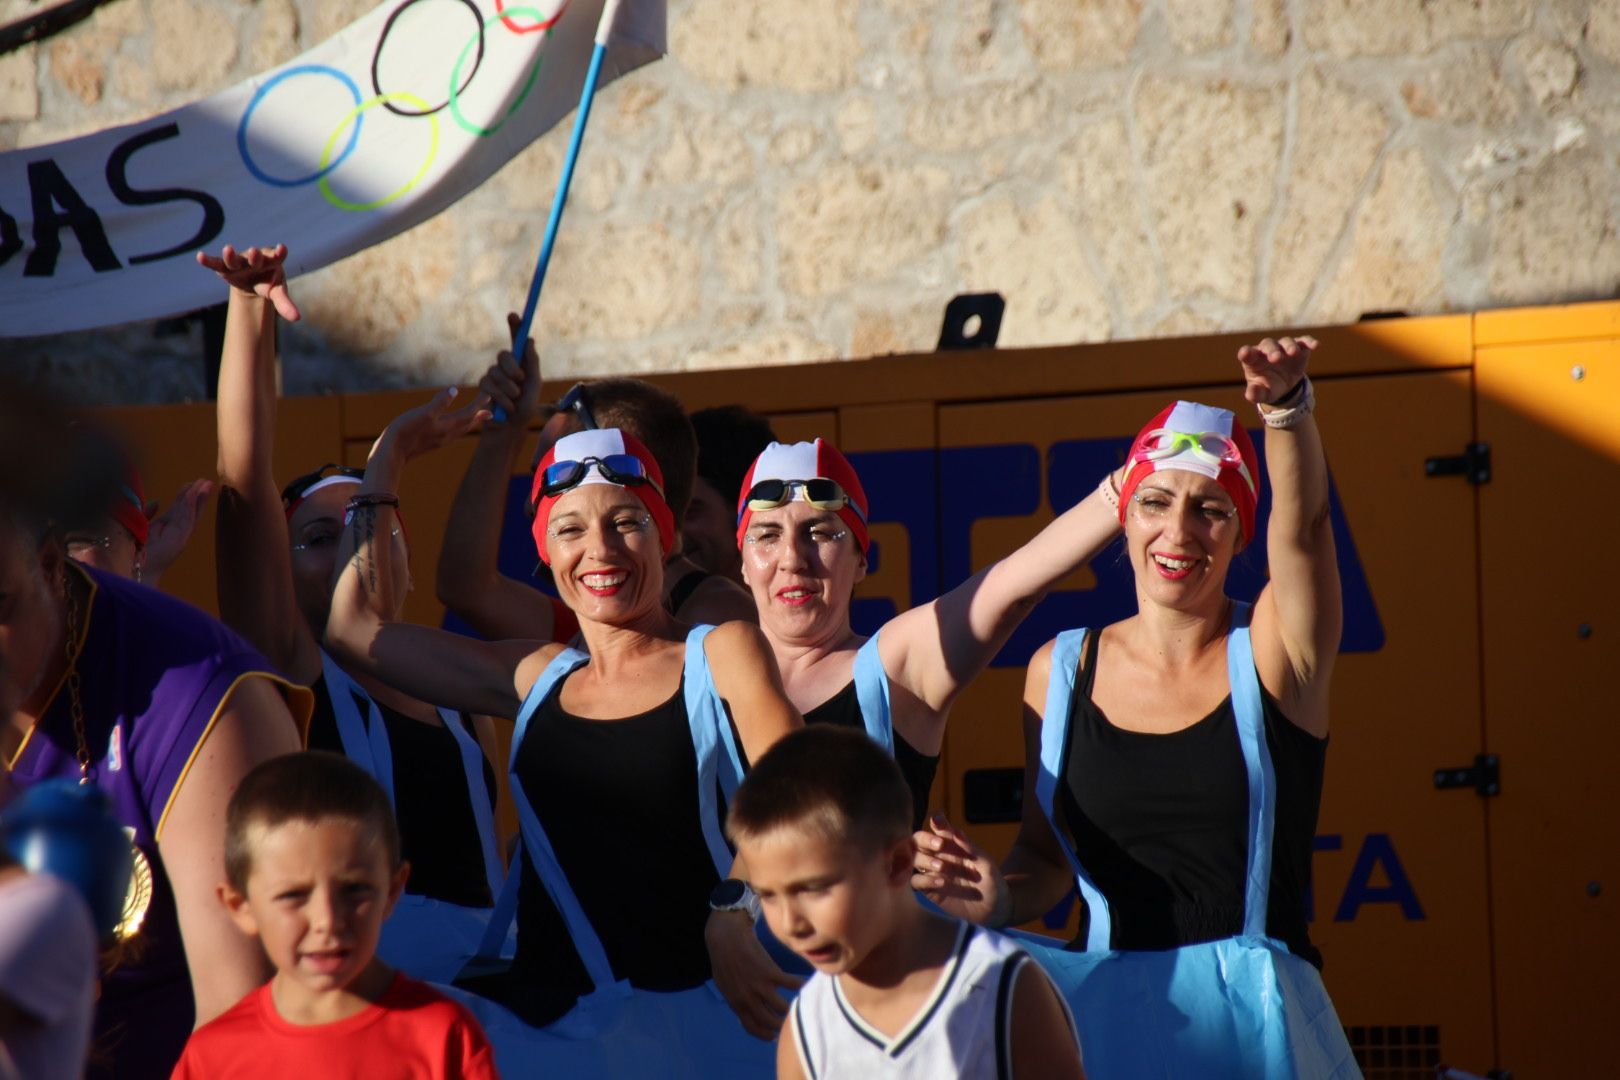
(729,438)
(276,556)
(1174,761)
(154,702)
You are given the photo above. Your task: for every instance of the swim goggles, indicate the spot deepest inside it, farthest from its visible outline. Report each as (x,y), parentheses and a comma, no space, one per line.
(1210,446)
(819,492)
(625,470)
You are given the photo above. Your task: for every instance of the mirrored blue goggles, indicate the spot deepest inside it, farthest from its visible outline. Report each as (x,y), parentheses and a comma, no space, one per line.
(626,470)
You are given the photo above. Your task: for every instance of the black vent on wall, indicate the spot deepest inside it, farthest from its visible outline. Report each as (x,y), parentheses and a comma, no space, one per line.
(1397,1051)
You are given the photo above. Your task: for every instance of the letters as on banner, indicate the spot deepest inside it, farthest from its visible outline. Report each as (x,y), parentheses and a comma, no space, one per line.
(371,132)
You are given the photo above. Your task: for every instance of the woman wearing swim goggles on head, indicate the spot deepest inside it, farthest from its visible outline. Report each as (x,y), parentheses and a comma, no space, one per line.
(469,580)
(802,528)
(276,562)
(1174,762)
(619,760)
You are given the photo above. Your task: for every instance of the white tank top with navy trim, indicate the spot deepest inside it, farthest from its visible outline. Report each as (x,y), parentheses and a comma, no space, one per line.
(962,1030)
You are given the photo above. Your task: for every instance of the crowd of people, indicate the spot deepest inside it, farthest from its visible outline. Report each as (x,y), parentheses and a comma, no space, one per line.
(728,861)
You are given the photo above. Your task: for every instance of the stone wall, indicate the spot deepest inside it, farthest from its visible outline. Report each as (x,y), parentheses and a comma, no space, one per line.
(804,179)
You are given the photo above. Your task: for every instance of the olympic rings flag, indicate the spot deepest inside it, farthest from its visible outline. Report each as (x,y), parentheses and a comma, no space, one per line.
(369,133)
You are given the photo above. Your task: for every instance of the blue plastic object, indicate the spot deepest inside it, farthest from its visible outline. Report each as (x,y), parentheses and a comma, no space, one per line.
(68,830)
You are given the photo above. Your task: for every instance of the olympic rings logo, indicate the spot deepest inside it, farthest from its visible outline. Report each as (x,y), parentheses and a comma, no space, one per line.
(403,104)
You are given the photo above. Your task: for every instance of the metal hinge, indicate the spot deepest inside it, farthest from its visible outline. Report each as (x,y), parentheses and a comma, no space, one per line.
(1474,463)
(1484,776)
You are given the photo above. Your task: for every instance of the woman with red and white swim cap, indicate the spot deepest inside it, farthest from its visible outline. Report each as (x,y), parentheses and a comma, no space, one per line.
(802,528)
(620,763)
(1174,762)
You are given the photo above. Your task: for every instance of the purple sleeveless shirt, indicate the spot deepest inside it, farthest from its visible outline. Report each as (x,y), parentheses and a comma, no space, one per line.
(153,674)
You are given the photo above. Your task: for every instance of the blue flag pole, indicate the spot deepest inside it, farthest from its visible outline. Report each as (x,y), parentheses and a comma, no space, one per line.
(604,30)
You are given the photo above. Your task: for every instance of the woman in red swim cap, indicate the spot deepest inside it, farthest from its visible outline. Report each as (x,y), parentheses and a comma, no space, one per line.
(802,528)
(1174,761)
(621,760)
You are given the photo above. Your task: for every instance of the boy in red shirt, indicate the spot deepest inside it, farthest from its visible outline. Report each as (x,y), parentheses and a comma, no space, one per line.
(312,869)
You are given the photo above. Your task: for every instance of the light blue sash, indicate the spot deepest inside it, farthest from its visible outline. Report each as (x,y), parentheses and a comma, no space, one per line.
(365,742)
(1235,1008)
(872,694)
(1245,688)
(719,769)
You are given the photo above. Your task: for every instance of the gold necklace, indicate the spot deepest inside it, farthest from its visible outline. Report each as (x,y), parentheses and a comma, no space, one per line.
(138,896)
(75,699)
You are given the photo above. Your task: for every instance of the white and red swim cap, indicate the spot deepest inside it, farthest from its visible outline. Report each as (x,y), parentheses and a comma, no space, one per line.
(593,450)
(1201,439)
(818,460)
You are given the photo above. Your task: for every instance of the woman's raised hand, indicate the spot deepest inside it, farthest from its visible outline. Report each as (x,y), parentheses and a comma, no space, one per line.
(1274,367)
(256,271)
(427,427)
(168,532)
(513,385)
(956,874)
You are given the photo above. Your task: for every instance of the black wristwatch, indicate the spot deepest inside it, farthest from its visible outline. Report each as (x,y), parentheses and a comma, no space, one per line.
(734,894)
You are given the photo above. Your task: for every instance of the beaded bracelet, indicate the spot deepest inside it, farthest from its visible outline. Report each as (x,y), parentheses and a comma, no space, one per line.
(1274,417)
(365,501)
(1106,488)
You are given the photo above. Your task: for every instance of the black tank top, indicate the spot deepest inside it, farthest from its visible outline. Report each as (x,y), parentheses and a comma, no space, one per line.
(684,588)
(618,800)
(844,709)
(438,833)
(1160,823)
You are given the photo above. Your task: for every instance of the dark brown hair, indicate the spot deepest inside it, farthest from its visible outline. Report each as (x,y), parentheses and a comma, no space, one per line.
(729,438)
(310,786)
(656,418)
(831,780)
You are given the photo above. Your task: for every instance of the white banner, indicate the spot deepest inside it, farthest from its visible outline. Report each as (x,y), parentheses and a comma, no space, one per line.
(371,132)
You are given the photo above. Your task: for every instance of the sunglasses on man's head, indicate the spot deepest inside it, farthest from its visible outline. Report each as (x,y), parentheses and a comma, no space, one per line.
(819,492)
(574,402)
(626,470)
(295,489)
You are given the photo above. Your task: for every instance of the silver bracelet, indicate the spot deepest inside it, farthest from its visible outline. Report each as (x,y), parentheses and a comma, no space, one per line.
(1287,418)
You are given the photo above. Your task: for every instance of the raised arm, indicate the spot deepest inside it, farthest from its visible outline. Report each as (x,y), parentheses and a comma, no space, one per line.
(1299,617)
(429,664)
(252,562)
(468,580)
(937,649)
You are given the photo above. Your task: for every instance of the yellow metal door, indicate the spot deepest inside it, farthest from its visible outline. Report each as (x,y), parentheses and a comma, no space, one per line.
(1551,510)
(1400,907)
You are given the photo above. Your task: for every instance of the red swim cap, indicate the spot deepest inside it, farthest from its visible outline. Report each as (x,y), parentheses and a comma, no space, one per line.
(807,461)
(600,444)
(1201,439)
(129,509)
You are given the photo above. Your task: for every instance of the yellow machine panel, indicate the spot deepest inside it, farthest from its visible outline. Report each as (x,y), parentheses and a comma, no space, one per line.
(1466,915)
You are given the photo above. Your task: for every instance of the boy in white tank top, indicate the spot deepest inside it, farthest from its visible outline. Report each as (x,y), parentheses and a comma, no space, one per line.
(823,826)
